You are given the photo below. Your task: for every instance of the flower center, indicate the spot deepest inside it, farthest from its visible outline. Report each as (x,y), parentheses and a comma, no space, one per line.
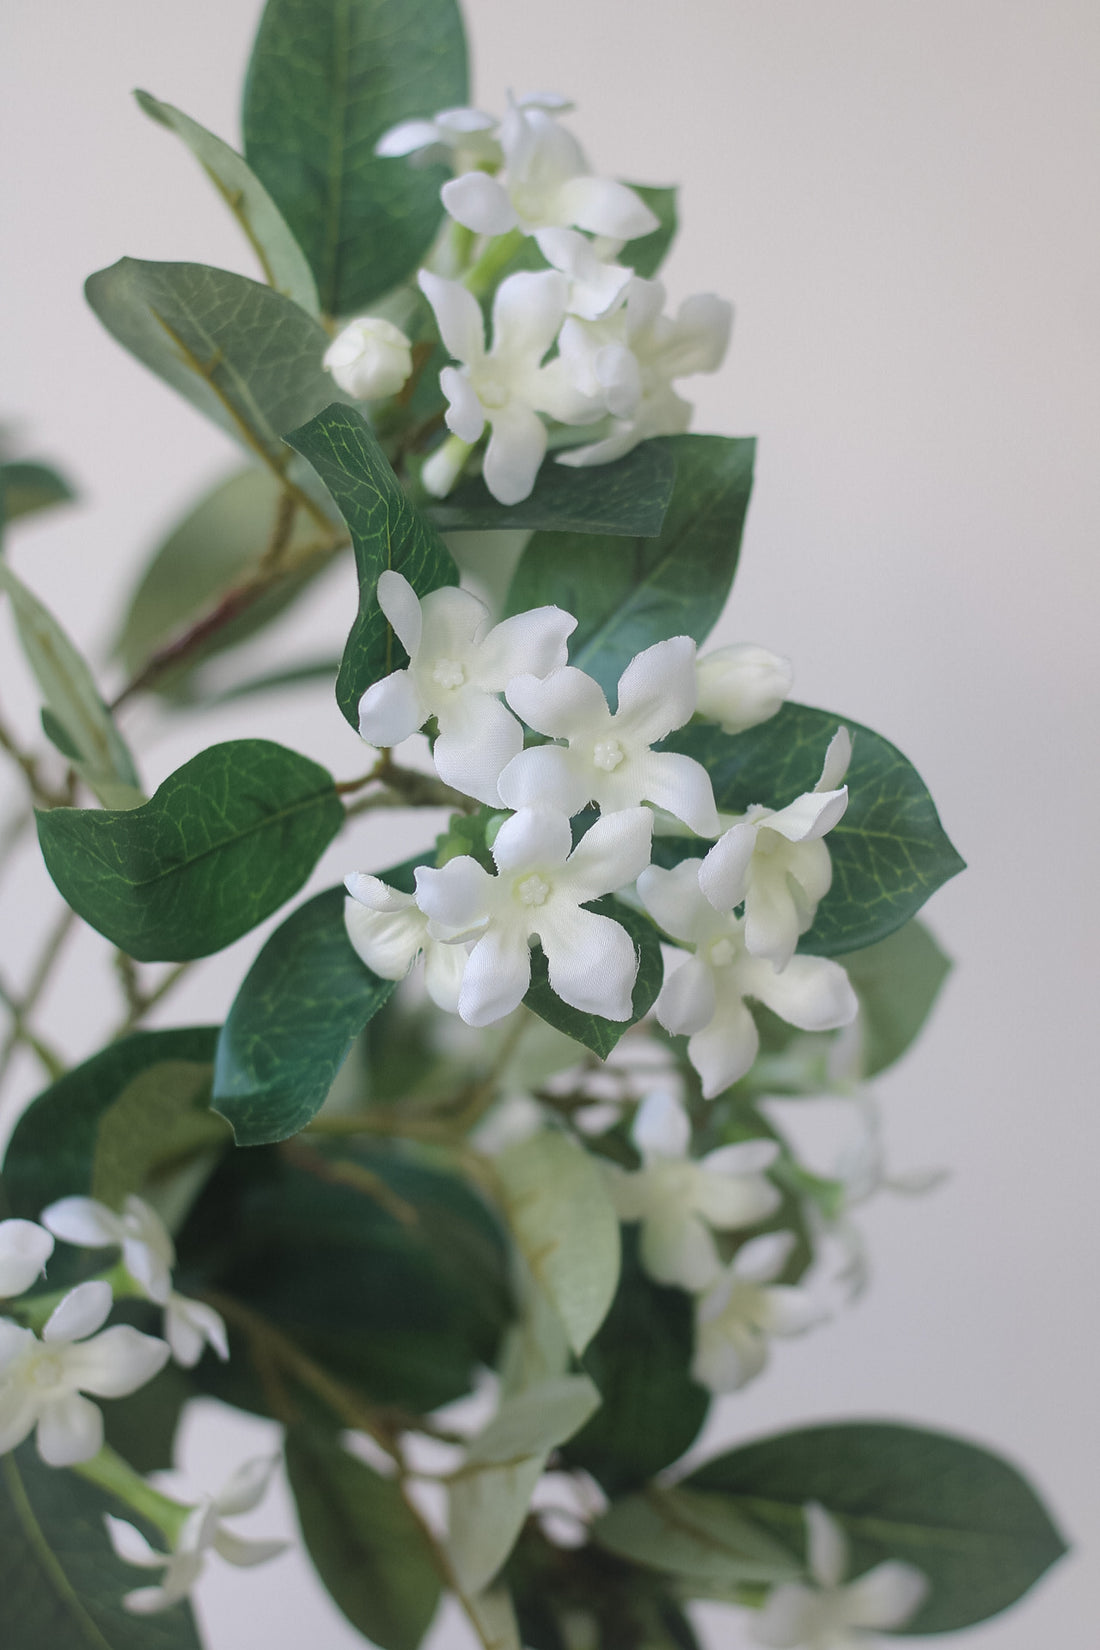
(721,953)
(47,1371)
(607,755)
(448,673)
(533,890)
(492,393)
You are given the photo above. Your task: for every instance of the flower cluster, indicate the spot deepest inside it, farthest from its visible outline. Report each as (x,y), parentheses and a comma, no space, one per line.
(616,354)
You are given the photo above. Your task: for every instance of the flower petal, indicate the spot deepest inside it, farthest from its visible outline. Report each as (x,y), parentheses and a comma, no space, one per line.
(837,758)
(401,606)
(70,1429)
(566,704)
(886,1596)
(80,1312)
(592,962)
(680,785)
(533,837)
(657,689)
(460,894)
(811,993)
(611,854)
(515,451)
(675,902)
(189,1326)
(809,816)
(826,1546)
(531,643)
(478,737)
(497,977)
(84,1221)
(391,710)
(444,967)
(677,1249)
(546,776)
(457,311)
(18,1415)
(481,204)
(386,941)
(724,1050)
(661,1126)
(687,1002)
(246,1488)
(791,1617)
(729,1201)
(116,1362)
(465,417)
(763,1258)
(25,1247)
(130,1545)
(605,207)
(235,1549)
(724,871)
(528,310)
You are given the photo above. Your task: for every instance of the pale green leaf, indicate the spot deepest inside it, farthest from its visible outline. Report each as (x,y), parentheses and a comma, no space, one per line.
(699,1538)
(897,982)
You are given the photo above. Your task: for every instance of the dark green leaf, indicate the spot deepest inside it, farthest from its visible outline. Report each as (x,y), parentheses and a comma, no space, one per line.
(368,1548)
(652,1410)
(593,1030)
(243,354)
(646,255)
(629,593)
(889,851)
(303,1002)
(222,843)
(26,488)
(142,1429)
(897,982)
(281,258)
(963,1516)
(386,532)
(628,498)
(326,79)
(61,1585)
(703,1539)
(390,1273)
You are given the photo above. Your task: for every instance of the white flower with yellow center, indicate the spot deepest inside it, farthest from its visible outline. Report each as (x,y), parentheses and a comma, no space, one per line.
(539,893)
(736,1320)
(776,863)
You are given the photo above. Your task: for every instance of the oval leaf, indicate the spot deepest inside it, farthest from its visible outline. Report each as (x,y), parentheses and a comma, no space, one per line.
(963,1516)
(628,498)
(700,1538)
(302,1004)
(223,842)
(326,79)
(27,487)
(897,982)
(593,1030)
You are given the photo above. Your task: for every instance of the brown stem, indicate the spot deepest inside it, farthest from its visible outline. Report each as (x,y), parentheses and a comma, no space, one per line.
(408,788)
(22,1008)
(143,1001)
(30,768)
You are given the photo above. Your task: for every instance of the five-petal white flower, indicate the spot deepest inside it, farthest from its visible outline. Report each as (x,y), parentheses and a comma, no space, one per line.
(680,1201)
(457,667)
(203,1532)
(704,997)
(24,1250)
(608,759)
(741,686)
(42,1381)
(539,892)
(831,1615)
(739,1315)
(388,931)
(777,864)
(149,1255)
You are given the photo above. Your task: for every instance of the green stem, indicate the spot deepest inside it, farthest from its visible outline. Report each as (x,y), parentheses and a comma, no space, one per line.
(110,1472)
(499,253)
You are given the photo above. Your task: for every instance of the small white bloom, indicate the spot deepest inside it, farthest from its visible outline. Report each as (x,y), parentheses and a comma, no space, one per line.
(777,864)
(632,359)
(539,892)
(506,386)
(388,931)
(464,137)
(202,1533)
(547,185)
(862,1172)
(741,686)
(680,1201)
(149,1255)
(457,667)
(737,1318)
(831,1615)
(370,359)
(41,1381)
(608,759)
(596,285)
(704,997)
(24,1250)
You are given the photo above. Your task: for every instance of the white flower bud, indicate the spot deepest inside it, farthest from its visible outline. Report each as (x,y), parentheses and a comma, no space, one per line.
(370,359)
(741,686)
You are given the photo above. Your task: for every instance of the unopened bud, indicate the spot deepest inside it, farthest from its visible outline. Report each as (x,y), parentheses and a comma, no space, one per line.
(370,359)
(741,686)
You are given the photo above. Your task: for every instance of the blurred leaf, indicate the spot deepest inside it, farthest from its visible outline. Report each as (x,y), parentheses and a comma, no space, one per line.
(223,842)
(26,488)
(699,1538)
(646,254)
(593,1030)
(161,1114)
(627,498)
(897,982)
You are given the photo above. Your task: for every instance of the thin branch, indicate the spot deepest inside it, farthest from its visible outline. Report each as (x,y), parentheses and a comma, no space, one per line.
(143,1001)
(24,1006)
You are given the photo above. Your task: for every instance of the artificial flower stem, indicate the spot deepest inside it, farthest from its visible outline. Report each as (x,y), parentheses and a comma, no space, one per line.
(110,1472)
(482,278)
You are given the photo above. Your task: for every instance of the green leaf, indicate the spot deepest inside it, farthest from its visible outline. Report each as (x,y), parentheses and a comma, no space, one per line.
(222,843)
(326,79)
(889,852)
(699,1538)
(368,1548)
(386,532)
(390,1273)
(26,488)
(630,593)
(281,258)
(61,1585)
(964,1517)
(72,699)
(897,982)
(640,1359)
(244,355)
(218,543)
(55,1146)
(593,1030)
(565,1226)
(302,1004)
(628,498)
(646,255)
(143,1429)
(161,1114)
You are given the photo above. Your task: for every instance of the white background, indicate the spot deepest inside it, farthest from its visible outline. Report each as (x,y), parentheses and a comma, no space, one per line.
(900,199)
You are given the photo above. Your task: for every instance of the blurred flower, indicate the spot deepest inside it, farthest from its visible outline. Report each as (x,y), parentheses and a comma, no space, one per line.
(24,1250)
(370,358)
(736,1320)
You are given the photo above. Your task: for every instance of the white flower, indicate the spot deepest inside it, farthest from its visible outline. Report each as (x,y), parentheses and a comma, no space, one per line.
(703,998)
(388,931)
(608,759)
(41,1381)
(149,1255)
(741,686)
(776,862)
(679,1201)
(862,1173)
(539,892)
(370,358)
(202,1533)
(547,184)
(829,1615)
(457,667)
(24,1250)
(464,136)
(596,286)
(737,1318)
(631,360)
